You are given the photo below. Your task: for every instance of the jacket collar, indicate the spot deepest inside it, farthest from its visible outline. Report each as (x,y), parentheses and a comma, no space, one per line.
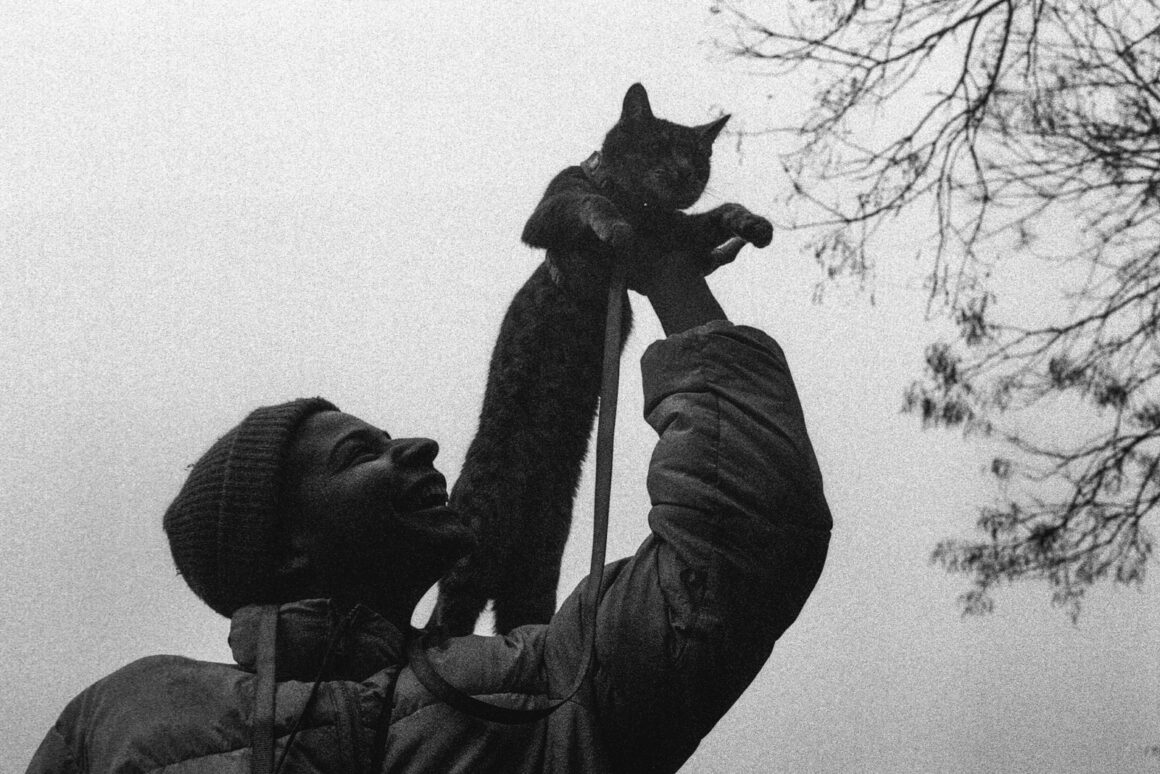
(365,642)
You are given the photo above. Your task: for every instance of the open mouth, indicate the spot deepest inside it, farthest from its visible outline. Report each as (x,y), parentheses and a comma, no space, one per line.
(430,493)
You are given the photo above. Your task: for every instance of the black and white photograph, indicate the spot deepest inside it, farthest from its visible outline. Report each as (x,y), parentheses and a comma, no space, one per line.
(714,387)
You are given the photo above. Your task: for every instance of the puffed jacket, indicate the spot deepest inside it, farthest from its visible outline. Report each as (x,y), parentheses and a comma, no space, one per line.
(739,532)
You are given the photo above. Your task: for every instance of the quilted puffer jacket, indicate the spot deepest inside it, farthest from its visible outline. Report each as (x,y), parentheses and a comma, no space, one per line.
(739,530)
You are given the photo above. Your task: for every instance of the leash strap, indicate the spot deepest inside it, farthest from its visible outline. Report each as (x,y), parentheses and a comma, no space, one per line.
(265,691)
(610,379)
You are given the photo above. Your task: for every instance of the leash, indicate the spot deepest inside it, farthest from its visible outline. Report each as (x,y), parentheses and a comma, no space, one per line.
(419,651)
(265,693)
(262,744)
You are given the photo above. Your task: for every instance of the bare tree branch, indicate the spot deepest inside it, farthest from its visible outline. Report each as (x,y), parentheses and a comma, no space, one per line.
(1040,146)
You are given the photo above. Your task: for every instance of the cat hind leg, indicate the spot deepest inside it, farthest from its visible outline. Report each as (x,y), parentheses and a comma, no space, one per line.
(457,610)
(528,607)
(527,595)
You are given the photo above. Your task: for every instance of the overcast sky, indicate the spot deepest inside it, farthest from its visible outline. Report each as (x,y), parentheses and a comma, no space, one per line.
(207,207)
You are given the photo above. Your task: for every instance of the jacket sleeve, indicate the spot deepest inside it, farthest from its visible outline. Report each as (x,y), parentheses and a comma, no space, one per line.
(55,756)
(739,531)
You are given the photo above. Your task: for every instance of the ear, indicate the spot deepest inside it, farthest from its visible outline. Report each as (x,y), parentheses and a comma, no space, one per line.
(294,569)
(293,552)
(708,132)
(636,107)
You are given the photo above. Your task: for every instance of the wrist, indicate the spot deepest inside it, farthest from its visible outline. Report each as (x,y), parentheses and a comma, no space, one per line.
(681,298)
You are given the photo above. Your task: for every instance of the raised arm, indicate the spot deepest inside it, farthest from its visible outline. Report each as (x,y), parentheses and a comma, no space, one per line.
(739,527)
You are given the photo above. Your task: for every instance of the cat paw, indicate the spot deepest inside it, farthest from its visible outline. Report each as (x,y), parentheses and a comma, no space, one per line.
(752,228)
(758,231)
(616,234)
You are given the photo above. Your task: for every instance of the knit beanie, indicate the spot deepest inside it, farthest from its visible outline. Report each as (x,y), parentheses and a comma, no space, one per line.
(222,527)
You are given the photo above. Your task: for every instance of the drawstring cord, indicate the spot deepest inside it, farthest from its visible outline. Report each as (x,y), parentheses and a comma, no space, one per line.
(262,741)
(379,749)
(331,648)
(265,692)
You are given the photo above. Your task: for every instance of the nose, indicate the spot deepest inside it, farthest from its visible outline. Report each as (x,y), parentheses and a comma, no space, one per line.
(414,451)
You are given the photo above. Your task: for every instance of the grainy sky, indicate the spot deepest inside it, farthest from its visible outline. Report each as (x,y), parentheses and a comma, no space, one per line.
(206,207)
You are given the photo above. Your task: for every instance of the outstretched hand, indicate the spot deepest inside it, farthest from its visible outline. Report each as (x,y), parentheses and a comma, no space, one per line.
(732,224)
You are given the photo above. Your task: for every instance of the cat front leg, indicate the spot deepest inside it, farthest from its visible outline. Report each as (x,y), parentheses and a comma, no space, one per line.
(713,228)
(609,240)
(715,237)
(569,221)
(754,229)
(607,224)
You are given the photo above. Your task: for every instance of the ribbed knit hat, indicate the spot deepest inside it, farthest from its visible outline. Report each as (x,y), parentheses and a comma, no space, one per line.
(222,525)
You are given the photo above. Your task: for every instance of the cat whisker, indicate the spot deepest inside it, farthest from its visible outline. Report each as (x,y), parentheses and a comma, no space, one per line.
(710,193)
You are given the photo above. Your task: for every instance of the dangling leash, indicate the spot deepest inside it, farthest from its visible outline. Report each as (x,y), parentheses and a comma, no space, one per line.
(262,744)
(610,380)
(262,753)
(420,647)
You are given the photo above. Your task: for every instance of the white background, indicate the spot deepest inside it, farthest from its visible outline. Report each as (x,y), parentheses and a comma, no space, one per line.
(206,207)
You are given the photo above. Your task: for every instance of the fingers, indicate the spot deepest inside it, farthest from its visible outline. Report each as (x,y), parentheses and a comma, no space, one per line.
(725,253)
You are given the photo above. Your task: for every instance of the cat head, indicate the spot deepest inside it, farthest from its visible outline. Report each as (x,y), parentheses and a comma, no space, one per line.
(651,162)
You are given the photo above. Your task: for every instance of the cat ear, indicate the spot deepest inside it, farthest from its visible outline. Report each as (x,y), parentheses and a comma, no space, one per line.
(708,132)
(636,107)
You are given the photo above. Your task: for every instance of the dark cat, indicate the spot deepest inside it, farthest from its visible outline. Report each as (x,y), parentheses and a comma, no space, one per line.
(522,469)
(628,197)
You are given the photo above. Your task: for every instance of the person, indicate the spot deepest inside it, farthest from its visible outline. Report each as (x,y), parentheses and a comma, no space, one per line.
(318,533)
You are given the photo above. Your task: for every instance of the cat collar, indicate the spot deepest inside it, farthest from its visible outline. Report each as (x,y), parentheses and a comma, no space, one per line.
(591,167)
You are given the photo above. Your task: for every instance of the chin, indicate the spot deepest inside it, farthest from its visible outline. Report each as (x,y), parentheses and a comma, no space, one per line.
(449,542)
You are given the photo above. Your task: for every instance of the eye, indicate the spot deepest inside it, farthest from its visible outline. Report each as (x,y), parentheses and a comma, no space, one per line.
(357,453)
